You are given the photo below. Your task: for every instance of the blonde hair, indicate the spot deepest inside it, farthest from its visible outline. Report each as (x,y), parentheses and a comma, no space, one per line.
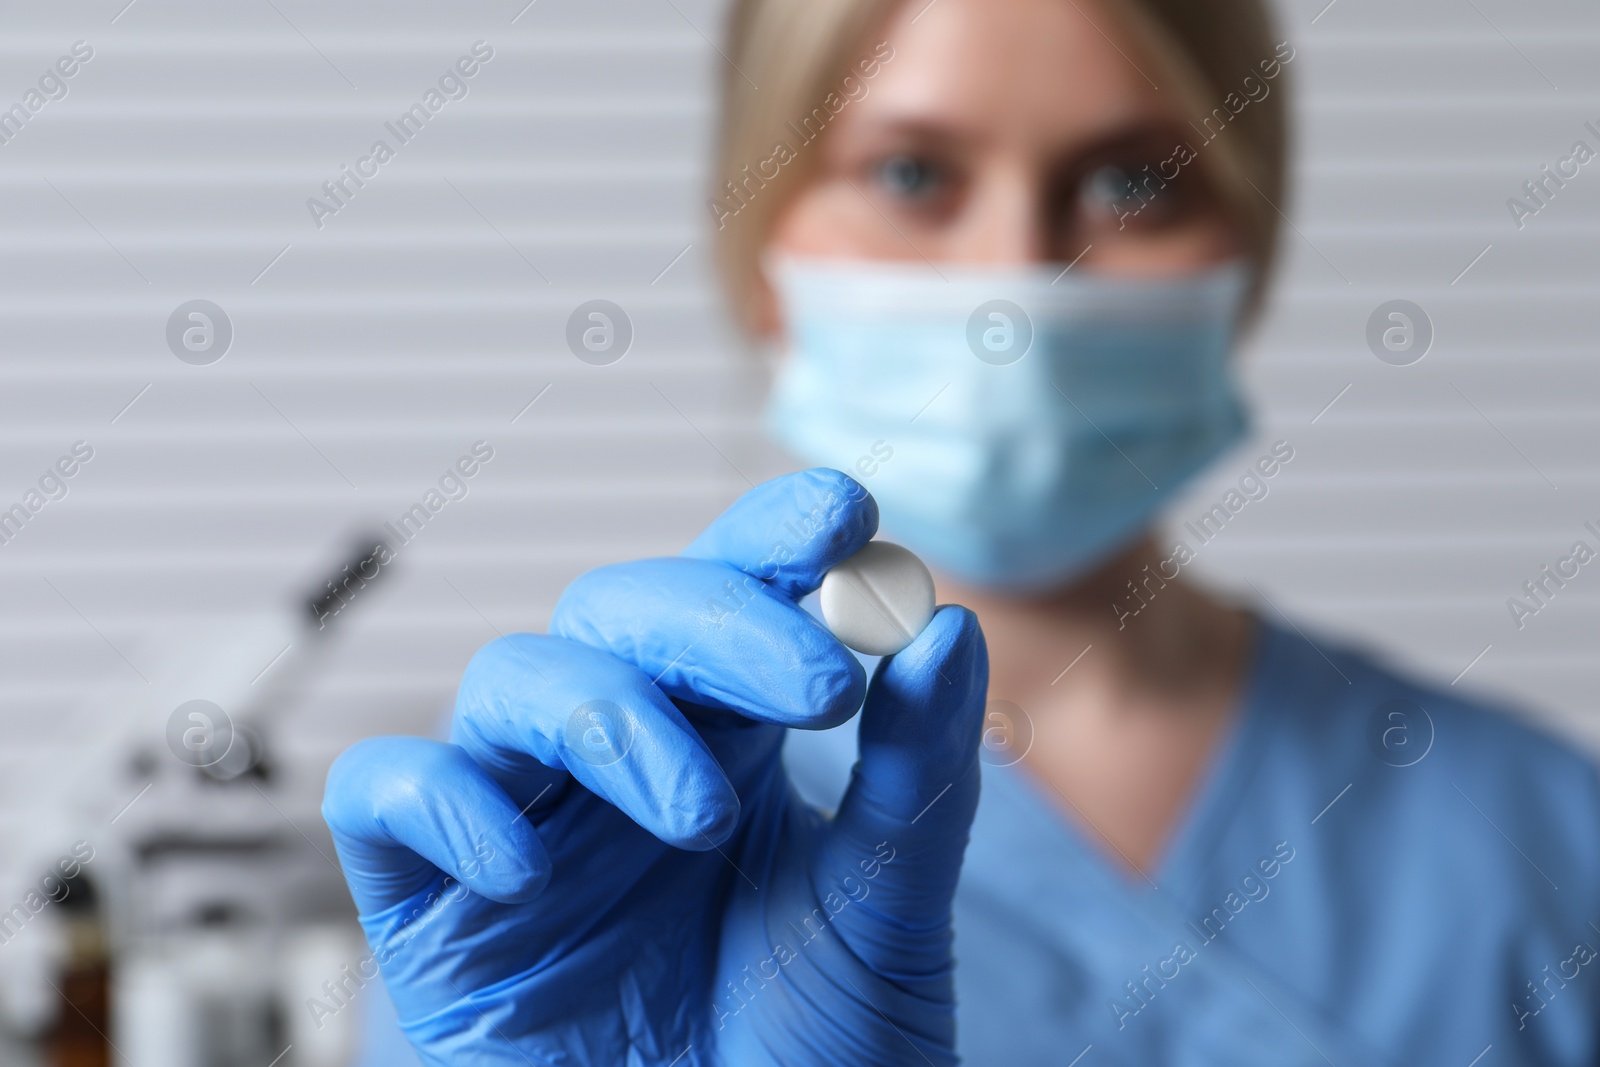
(806,55)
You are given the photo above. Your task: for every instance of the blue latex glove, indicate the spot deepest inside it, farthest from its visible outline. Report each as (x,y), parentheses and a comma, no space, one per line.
(608,865)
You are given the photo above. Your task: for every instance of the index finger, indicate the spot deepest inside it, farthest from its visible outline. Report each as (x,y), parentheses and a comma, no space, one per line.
(789,531)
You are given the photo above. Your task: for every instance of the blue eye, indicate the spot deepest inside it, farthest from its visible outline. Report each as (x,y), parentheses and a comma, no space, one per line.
(908,177)
(1111,187)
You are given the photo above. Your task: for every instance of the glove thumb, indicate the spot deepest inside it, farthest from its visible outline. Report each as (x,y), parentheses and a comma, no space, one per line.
(894,850)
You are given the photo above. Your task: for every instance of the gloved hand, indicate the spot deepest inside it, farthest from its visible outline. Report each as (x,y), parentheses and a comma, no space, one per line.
(608,865)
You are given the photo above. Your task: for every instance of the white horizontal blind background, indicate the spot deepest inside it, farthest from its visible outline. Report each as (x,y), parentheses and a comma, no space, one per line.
(425,315)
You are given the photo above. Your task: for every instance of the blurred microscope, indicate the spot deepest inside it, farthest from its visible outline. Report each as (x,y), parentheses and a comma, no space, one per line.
(179,903)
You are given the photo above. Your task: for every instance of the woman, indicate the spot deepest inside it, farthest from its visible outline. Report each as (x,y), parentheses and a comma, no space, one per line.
(1004,248)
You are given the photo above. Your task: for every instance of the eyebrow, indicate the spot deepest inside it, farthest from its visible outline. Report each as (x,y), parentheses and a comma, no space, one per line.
(915,129)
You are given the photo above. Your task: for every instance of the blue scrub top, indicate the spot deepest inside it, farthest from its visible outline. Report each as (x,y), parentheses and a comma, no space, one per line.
(1372,873)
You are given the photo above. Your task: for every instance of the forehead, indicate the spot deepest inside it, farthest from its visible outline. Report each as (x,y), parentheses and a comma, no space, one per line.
(1050,71)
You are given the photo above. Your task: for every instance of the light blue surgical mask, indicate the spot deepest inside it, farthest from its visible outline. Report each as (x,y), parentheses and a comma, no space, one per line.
(1017,426)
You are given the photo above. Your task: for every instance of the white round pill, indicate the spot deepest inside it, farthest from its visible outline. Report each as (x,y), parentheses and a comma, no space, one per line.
(878,600)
